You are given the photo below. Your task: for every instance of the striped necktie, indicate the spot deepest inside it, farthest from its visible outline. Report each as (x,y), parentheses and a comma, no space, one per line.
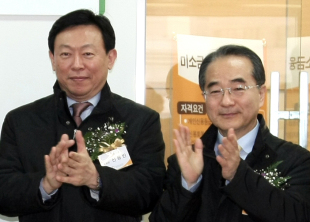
(78,108)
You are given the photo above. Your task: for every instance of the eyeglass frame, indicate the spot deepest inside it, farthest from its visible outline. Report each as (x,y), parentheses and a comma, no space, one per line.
(206,93)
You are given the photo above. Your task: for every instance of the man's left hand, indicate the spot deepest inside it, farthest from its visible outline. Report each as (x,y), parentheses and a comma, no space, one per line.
(78,166)
(230,155)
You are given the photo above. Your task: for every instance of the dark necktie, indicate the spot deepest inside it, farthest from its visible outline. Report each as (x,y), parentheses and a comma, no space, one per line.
(78,108)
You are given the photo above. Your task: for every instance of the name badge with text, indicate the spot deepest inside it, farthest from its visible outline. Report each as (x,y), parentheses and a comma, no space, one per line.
(116,159)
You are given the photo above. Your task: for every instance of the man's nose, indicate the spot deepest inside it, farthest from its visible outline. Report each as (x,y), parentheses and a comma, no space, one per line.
(227,99)
(78,62)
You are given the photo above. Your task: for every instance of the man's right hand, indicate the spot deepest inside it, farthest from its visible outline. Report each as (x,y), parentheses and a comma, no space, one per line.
(190,161)
(52,160)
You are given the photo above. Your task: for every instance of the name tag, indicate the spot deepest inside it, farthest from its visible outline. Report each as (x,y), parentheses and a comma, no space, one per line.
(116,159)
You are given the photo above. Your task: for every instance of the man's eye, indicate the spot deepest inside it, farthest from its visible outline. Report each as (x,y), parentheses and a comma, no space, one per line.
(215,92)
(88,53)
(238,88)
(64,54)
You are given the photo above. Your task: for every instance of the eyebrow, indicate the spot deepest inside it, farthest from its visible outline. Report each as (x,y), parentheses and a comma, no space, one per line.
(212,84)
(237,80)
(241,80)
(83,47)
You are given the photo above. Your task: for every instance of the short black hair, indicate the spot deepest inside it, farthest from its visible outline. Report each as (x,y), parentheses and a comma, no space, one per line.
(83,17)
(237,50)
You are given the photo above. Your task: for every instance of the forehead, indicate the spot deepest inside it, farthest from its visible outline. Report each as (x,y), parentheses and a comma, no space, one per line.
(79,35)
(228,68)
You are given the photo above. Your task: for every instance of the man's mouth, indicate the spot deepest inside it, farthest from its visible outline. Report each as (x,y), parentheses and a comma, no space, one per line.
(78,78)
(228,114)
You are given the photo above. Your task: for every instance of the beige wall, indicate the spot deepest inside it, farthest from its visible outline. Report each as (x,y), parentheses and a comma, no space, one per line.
(305,15)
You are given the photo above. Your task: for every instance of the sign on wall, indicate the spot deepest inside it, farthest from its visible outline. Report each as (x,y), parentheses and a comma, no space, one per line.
(188,102)
(297,60)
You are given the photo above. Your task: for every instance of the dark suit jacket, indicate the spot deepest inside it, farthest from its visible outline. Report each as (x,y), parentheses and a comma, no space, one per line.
(248,190)
(29,133)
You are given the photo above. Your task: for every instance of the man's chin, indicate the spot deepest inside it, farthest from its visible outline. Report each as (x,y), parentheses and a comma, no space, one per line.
(226,126)
(79,96)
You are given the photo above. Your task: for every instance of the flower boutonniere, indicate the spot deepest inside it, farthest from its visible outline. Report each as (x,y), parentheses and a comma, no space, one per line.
(272,175)
(104,139)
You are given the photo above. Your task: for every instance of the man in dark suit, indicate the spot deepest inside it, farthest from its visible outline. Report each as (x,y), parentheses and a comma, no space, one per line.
(237,171)
(66,185)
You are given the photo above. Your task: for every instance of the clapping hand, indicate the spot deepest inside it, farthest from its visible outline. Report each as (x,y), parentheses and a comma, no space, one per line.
(230,155)
(190,159)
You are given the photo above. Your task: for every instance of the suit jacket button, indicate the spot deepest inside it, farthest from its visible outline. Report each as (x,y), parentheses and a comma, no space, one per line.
(267,156)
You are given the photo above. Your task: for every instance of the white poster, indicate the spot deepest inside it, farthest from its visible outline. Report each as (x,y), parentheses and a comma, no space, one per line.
(192,50)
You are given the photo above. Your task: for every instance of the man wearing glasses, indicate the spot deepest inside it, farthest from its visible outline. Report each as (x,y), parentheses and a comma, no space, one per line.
(237,171)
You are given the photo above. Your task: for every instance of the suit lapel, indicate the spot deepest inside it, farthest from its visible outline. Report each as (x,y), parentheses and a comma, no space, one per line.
(262,155)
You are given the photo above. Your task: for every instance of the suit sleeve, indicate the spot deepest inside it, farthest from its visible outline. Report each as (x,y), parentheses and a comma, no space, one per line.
(134,190)
(264,202)
(176,204)
(19,189)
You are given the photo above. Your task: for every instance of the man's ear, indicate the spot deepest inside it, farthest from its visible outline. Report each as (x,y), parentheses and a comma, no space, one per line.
(51,55)
(112,55)
(262,95)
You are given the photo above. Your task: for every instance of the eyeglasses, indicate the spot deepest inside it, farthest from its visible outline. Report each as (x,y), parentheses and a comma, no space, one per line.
(236,91)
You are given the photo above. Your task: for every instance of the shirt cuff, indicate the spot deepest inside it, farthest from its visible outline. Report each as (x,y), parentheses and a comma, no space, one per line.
(193,188)
(94,194)
(45,196)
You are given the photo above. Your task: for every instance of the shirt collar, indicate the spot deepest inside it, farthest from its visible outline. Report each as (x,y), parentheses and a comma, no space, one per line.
(248,140)
(94,101)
